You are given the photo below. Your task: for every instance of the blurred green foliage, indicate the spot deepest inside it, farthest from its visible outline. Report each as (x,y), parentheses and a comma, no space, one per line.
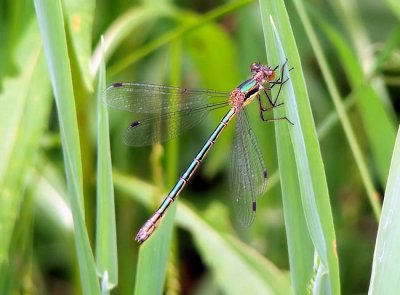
(48,149)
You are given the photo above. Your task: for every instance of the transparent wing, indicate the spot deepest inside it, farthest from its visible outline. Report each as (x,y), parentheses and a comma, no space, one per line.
(161,128)
(248,174)
(150,99)
(167,111)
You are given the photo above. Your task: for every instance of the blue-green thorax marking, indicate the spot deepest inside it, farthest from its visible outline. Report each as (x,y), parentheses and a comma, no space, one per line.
(247,85)
(250,88)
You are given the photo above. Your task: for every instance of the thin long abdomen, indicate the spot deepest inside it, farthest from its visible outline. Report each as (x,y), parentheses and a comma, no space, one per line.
(148,228)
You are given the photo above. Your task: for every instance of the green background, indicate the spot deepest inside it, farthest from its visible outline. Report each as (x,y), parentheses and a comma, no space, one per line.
(63,160)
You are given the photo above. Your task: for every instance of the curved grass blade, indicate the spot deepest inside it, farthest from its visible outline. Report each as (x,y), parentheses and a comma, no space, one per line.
(344,119)
(379,125)
(79,19)
(309,166)
(175,34)
(122,27)
(24,109)
(301,250)
(106,236)
(394,7)
(151,257)
(385,277)
(51,23)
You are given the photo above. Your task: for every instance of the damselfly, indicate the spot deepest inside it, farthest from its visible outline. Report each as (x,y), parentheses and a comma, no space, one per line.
(170,111)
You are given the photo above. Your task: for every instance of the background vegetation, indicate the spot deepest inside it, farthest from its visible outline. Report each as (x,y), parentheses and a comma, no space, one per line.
(62,231)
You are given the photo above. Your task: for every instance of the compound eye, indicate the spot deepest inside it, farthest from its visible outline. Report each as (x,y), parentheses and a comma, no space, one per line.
(271,75)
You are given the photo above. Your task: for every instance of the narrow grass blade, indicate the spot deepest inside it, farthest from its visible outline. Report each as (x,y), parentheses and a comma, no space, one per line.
(51,23)
(153,257)
(24,109)
(79,21)
(334,92)
(51,199)
(310,170)
(174,34)
(385,278)
(379,126)
(301,250)
(106,236)
(121,28)
(394,6)
(152,269)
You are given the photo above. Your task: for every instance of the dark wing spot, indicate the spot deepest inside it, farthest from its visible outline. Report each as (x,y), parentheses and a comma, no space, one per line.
(134,124)
(117,85)
(265,174)
(254,206)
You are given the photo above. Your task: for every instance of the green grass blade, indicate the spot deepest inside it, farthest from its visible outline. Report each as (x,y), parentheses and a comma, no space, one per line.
(51,198)
(385,278)
(79,21)
(106,236)
(24,109)
(334,92)
(391,44)
(301,250)
(174,34)
(379,126)
(394,7)
(310,170)
(151,269)
(50,16)
(153,257)
(121,28)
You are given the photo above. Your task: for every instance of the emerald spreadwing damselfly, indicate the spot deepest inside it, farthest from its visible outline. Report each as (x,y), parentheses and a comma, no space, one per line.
(170,111)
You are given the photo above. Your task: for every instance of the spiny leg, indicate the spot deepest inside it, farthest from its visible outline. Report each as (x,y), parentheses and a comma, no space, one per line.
(262,111)
(280,82)
(273,103)
(277,119)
